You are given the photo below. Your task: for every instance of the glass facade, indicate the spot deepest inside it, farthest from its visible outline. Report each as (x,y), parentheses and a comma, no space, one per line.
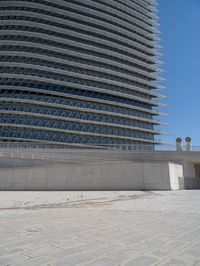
(79,72)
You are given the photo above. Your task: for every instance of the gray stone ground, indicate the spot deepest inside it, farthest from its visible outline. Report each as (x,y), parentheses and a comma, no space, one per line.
(99,228)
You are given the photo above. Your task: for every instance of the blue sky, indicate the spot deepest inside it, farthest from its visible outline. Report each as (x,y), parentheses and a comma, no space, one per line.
(180,33)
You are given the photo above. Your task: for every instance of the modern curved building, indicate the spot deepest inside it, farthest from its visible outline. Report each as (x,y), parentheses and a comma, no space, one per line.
(79,71)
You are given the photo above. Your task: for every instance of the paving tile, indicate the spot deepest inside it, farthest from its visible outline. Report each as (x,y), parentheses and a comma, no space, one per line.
(142,261)
(176,262)
(103,262)
(72,261)
(34,261)
(123,256)
(66,252)
(11,259)
(6,252)
(43,251)
(163,229)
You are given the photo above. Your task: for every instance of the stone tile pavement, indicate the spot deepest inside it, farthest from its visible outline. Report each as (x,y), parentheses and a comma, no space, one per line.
(99,228)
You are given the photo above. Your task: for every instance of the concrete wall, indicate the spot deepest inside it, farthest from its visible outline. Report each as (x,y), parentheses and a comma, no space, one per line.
(189,170)
(104,176)
(10,163)
(162,176)
(175,171)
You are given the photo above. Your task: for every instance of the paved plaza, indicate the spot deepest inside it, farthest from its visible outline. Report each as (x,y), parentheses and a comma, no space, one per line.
(99,228)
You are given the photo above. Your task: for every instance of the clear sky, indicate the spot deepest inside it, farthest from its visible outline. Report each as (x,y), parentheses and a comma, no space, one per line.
(180,29)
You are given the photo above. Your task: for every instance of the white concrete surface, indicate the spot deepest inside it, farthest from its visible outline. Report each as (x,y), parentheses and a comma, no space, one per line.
(162,176)
(101,176)
(100,228)
(72,169)
(175,171)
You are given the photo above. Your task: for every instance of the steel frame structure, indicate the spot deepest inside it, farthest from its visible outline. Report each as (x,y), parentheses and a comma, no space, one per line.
(80,72)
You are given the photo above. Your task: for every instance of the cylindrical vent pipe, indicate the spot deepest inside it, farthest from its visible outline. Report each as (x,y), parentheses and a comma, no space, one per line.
(179,144)
(188,144)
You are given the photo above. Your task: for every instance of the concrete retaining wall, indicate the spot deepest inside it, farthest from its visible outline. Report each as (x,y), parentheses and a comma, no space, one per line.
(105,176)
